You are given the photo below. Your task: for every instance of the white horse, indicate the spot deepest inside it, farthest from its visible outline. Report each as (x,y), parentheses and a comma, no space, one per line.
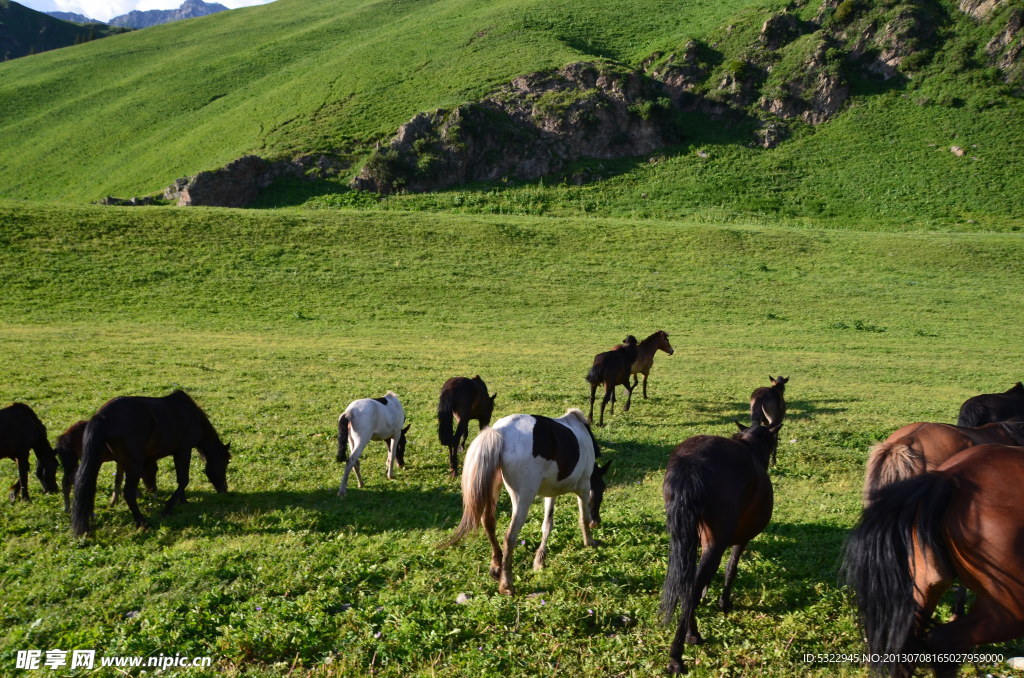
(371,419)
(534,456)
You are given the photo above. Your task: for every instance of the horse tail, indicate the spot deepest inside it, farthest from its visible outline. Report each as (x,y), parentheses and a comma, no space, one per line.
(685,494)
(891,462)
(85,478)
(481,474)
(901,518)
(972,413)
(445,408)
(343,424)
(594,376)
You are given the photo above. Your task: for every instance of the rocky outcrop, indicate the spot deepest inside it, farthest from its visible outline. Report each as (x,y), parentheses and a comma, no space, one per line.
(779,30)
(534,126)
(1005,48)
(239,183)
(816,95)
(188,10)
(979,9)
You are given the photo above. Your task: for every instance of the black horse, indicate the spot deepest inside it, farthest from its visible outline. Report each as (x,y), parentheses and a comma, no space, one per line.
(69,450)
(612,368)
(992,407)
(464,399)
(21,431)
(137,431)
(717,494)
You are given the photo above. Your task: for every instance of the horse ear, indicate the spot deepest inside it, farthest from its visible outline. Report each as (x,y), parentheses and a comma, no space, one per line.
(774,430)
(741,426)
(494,396)
(406,429)
(604,469)
(771,378)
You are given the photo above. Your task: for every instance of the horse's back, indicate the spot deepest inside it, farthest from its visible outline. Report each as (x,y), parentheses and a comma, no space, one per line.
(376,416)
(19,429)
(528,438)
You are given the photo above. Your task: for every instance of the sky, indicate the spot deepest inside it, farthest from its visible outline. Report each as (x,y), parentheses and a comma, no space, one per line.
(105,10)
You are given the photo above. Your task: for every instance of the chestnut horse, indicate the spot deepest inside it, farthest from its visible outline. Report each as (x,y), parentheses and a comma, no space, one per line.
(534,456)
(136,432)
(21,431)
(69,450)
(464,399)
(717,494)
(645,356)
(922,446)
(964,520)
(612,368)
(991,407)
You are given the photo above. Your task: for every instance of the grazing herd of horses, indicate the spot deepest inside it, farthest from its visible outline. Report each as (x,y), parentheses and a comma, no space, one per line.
(942,503)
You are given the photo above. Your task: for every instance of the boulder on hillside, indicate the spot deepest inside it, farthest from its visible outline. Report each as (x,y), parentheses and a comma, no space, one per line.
(1005,48)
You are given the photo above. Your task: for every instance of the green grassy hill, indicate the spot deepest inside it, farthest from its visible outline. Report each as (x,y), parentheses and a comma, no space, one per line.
(24,31)
(129,115)
(275,320)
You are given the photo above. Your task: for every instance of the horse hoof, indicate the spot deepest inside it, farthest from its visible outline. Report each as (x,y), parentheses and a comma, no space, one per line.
(496,572)
(694,639)
(594,543)
(676,666)
(725,605)
(506,590)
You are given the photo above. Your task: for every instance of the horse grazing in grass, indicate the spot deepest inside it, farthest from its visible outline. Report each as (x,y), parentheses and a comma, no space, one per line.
(992,407)
(717,494)
(21,431)
(964,520)
(612,368)
(371,419)
(69,450)
(137,431)
(916,448)
(464,399)
(533,455)
(645,351)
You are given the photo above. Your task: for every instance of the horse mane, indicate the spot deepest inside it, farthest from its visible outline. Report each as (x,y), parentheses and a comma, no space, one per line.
(577,413)
(1017,388)
(889,463)
(653,336)
(391,393)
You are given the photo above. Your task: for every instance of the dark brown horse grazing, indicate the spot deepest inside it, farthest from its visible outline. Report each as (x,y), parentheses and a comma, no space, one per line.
(922,446)
(69,450)
(21,431)
(464,399)
(612,368)
(990,407)
(964,520)
(138,431)
(645,356)
(718,494)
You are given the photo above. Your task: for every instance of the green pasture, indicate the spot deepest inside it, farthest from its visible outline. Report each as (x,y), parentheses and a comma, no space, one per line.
(275,320)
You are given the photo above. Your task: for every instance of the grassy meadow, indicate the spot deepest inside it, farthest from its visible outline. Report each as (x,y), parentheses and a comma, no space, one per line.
(275,320)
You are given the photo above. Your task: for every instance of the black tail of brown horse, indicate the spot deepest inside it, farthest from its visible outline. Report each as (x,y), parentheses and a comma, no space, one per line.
(85,477)
(445,417)
(903,518)
(685,496)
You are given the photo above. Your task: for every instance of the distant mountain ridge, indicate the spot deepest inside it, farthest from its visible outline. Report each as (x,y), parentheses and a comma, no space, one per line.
(189,9)
(73,17)
(24,31)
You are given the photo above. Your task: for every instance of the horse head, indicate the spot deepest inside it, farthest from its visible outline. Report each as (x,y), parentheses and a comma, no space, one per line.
(400,453)
(778,382)
(597,487)
(763,439)
(217,457)
(663,343)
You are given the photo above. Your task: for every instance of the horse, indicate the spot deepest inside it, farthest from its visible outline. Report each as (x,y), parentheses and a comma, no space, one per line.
(21,431)
(465,399)
(612,368)
(645,356)
(990,407)
(69,450)
(717,492)
(919,447)
(136,431)
(963,520)
(533,455)
(768,404)
(371,419)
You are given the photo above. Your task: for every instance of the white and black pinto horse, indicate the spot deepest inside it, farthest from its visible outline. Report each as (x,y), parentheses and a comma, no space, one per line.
(371,419)
(534,456)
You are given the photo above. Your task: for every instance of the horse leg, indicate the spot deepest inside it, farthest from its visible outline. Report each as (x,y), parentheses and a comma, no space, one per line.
(613,398)
(353,463)
(645,385)
(583,499)
(609,394)
(593,392)
(520,507)
(989,621)
(19,490)
(149,477)
(710,559)
(392,444)
(725,601)
(549,519)
(490,527)
(131,491)
(118,481)
(461,435)
(629,396)
(181,464)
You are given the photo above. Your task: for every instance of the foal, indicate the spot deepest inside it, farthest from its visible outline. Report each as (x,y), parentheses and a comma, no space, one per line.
(371,419)
(645,356)
(612,368)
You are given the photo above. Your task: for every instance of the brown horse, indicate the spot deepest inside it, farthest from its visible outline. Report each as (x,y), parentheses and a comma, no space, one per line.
(990,407)
(718,493)
(21,431)
(612,368)
(645,356)
(69,450)
(464,399)
(137,432)
(964,520)
(922,446)
(767,404)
